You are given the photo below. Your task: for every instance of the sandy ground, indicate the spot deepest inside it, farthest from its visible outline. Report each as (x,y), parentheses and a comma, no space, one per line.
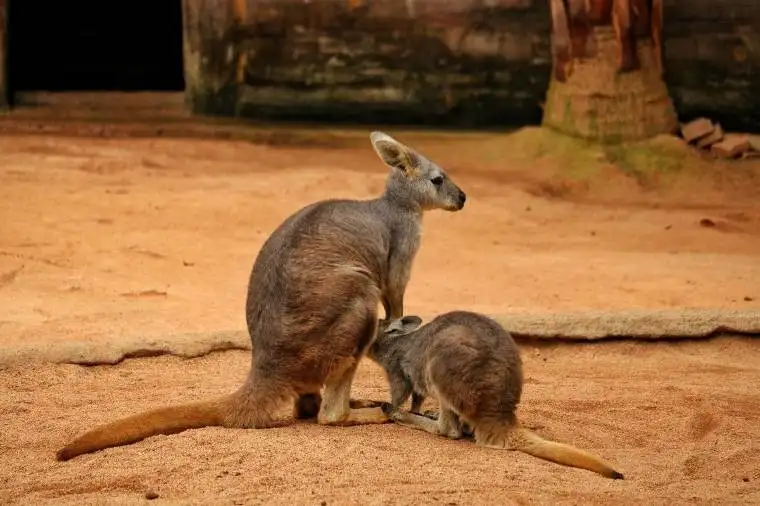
(104,239)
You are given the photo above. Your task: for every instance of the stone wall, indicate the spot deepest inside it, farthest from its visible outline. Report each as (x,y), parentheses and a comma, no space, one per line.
(712,60)
(462,62)
(466,62)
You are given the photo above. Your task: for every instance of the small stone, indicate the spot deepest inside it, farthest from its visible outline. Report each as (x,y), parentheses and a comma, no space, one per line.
(668,227)
(151,494)
(747,298)
(696,129)
(731,147)
(708,140)
(706,222)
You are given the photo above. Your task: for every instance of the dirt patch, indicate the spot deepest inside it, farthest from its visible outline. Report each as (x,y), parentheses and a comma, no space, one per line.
(105,240)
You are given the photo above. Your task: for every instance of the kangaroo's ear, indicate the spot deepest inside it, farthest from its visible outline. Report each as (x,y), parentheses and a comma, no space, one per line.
(404,325)
(393,153)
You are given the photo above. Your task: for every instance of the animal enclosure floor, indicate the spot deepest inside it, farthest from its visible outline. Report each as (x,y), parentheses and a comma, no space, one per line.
(104,239)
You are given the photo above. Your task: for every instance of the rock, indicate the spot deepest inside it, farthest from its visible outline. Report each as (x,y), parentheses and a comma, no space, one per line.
(754,142)
(706,222)
(731,146)
(151,494)
(708,140)
(696,129)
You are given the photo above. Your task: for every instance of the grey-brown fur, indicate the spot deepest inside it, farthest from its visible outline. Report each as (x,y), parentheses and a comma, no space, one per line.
(314,289)
(312,305)
(472,366)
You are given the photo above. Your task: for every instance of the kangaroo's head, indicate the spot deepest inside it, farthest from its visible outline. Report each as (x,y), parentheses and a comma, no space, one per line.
(415,181)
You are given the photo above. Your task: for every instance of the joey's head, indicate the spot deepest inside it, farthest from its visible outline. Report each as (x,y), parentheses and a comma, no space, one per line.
(389,332)
(414,180)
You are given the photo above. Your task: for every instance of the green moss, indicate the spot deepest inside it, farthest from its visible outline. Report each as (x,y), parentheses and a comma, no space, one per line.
(568,125)
(652,162)
(593,122)
(578,158)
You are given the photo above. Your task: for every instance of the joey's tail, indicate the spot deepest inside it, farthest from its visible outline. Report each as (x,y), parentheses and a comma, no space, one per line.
(168,420)
(526,441)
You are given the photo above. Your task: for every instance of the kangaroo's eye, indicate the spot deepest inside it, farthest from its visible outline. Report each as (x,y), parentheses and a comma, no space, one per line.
(437,180)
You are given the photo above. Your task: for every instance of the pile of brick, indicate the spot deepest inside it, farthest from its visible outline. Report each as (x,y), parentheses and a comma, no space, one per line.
(704,134)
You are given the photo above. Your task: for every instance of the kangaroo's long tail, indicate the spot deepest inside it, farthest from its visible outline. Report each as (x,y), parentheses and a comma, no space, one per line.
(168,420)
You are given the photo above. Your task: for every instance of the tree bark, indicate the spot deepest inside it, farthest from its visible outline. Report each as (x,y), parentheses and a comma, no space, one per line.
(607,82)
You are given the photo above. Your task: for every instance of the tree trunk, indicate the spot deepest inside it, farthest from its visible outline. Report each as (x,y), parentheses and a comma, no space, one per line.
(607,82)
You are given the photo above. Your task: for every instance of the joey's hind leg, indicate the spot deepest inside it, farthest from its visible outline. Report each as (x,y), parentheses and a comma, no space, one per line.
(336,401)
(449,424)
(465,429)
(415,421)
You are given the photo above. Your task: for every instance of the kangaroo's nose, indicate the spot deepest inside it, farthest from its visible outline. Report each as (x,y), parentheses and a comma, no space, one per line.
(462,198)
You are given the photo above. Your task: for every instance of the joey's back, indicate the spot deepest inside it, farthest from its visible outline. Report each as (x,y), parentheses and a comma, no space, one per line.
(463,356)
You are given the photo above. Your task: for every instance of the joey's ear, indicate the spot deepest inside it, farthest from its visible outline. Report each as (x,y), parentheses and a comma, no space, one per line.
(404,325)
(411,323)
(393,153)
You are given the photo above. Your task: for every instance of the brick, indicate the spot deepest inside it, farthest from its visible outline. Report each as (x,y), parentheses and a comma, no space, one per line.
(696,129)
(754,142)
(732,146)
(708,140)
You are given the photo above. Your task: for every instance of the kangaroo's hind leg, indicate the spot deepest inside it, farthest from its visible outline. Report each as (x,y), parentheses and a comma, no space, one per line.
(307,405)
(350,337)
(336,403)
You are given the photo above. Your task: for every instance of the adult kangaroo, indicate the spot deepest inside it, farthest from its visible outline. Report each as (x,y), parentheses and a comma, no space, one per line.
(312,306)
(472,366)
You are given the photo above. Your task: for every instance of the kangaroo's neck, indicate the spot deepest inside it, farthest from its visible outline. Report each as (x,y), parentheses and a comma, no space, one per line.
(397,196)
